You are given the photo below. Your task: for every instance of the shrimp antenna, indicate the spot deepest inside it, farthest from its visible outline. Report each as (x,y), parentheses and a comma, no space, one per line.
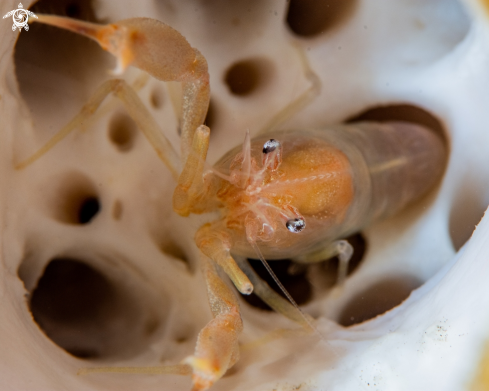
(282,288)
(246,166)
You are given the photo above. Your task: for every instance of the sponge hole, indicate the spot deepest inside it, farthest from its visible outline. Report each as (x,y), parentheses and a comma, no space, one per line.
(84,312)
(184,334)
(404,113)
(308,18)
(295,283)
(156,98)
(73,200)
(122,132)
(117,210)
(378,299)
(57,70)
(210,119)
(303,281)
(248,76)
(324,275)
(89,207)
(467,211)
(171,248)
(73,10)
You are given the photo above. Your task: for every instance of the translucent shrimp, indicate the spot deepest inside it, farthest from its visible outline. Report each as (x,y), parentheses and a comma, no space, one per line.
(281,195)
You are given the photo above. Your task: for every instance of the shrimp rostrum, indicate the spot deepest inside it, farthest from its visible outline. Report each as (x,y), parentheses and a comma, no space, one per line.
(292,194)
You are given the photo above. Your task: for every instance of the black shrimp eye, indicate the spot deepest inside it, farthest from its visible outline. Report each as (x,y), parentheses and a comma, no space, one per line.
(295,225)
(270,146)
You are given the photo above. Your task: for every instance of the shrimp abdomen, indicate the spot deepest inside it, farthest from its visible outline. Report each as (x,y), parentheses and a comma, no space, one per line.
(403,161)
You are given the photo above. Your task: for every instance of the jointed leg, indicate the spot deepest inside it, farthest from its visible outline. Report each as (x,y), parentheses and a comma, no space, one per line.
(135,109)
(180,369)
(272,298)
(215,244)
(190,187)
(340,248)
(111,104)
(299,103)
(165,54)
(145,121)
(217,347)
(87,110)
(196,97)
(157,49)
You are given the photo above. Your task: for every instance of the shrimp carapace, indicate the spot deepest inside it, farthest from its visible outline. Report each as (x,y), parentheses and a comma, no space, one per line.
(325,185)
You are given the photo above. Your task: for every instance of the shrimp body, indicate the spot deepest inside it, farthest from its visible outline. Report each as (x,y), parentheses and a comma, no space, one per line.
(336,181)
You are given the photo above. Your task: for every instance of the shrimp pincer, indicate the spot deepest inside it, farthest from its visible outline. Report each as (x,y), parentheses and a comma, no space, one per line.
(289,194)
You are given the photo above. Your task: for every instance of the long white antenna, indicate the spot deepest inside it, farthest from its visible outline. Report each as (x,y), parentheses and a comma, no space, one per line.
(282,288)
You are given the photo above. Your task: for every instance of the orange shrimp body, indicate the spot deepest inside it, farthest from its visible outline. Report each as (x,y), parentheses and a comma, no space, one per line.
(331,182)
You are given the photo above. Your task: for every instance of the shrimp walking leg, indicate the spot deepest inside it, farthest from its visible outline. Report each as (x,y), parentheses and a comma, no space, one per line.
(301,101)
(179,369)
(190,187)
(214,243)
(272,298)
(110,105)
(157,49)
(340,248)
(135,109)
(217,347)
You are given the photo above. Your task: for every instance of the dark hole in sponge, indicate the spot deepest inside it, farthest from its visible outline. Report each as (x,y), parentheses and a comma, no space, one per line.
(296,284)
(378,299)
(89,314)
(71,298)
(73,10)
(70,291)
(247,76)
(295,277)
(308,18)
(401,112)
(88,210)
